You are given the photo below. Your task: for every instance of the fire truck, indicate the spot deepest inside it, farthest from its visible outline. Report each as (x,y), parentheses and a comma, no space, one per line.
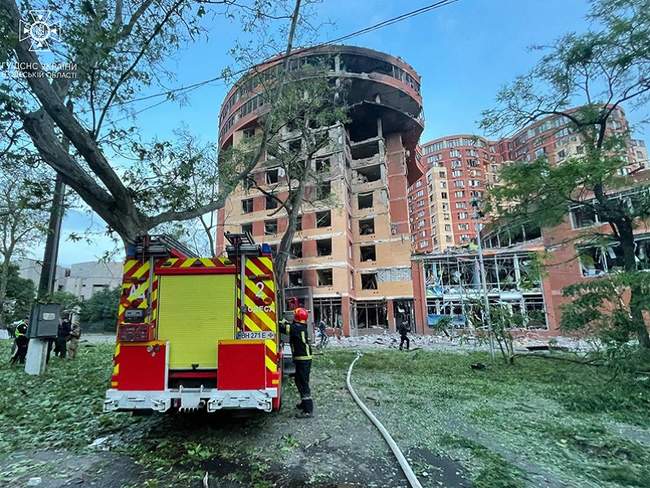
(196,333)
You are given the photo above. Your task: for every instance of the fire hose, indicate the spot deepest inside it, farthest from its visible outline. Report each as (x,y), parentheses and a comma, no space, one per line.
(406,467)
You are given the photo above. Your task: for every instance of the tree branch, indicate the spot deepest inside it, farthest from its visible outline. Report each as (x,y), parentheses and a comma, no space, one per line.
(157,29)
(53,105)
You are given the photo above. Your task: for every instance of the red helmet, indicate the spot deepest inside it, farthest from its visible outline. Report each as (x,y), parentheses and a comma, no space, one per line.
(300,315)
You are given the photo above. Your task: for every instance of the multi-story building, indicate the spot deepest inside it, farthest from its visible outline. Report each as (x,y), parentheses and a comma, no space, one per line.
(467,165)
(83,280)
(447,280)
(458,168)
(350,258)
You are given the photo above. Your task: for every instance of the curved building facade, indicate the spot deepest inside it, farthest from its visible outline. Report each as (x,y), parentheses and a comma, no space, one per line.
(350,260)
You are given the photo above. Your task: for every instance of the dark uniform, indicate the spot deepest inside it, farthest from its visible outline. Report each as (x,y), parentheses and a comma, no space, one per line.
(62,336)
(301,352)
(403,330)
(21,341)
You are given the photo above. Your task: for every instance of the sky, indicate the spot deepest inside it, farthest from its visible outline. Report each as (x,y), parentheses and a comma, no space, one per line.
(464,53)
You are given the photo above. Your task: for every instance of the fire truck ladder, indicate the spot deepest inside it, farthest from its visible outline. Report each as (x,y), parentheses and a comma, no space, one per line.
(160,245)
(241,245)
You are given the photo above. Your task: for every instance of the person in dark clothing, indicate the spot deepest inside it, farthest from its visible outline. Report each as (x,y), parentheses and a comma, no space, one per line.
(301,352)
(62,336)
(322,334)
(403,330)
(21,342)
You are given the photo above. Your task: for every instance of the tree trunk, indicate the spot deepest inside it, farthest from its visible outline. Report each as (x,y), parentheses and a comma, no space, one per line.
(4,278)
(626,240)
(280,262)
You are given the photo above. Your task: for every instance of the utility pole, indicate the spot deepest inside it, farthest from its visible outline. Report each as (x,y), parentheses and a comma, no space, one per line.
(37,351)
(486,301)
(48,271)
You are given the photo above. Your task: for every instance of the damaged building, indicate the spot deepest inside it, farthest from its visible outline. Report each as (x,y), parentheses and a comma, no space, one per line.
(350,259)
(449,285)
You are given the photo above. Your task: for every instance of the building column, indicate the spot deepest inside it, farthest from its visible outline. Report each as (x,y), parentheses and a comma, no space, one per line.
(419,297)
(345,314)
(390,312)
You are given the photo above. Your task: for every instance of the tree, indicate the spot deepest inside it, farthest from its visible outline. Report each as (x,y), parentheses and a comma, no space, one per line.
(20,294)
(110,53)
(66,299)
(301,118)
(100,309)
(600,307)
(599,70)
(23,217)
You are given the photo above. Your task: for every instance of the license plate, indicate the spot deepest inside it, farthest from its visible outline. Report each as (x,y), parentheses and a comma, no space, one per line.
(256,335)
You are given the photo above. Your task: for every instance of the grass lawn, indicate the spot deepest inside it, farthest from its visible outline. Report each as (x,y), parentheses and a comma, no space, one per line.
(537,423)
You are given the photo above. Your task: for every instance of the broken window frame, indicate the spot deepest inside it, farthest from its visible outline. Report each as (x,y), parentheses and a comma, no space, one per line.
(323,242)
(363,197)
(271,222)
(247,205)
(272,176)
(372,253)
(295,250)
(329,310)
(322,277)
(369,281)
(295,278)
(324,220)
(583,216)
(362,222)
(270,202)
(371,314)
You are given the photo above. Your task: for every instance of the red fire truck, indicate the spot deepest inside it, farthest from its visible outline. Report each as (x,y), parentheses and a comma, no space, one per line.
(196,333)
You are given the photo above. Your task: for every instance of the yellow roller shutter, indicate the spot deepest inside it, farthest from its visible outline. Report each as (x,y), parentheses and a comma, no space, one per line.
(195,312)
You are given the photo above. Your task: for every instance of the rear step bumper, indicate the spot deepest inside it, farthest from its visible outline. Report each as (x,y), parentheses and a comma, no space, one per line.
(209,399)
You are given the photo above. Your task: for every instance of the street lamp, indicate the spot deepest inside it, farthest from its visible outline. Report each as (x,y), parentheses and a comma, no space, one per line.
(486,302)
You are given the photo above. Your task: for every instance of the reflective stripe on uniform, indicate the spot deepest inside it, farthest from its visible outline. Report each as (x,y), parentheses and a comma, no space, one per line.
(302,358)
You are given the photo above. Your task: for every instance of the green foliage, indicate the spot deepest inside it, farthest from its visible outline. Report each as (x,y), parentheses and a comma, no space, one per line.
(109,54)
(60,409)
(101,309)
(66,299)
(601,69)
(20,296)
(496,471)
(505,424)
(601,307)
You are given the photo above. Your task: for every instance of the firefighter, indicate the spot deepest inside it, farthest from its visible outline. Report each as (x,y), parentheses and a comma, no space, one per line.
(301,352)
(403,329)
(62,336)
(75,333)
(21,341)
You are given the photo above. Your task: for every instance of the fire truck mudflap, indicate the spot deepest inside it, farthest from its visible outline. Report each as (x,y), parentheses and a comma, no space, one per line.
(186,340)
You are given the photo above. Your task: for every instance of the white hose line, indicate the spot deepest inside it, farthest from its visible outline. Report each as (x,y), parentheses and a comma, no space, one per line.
(406,467)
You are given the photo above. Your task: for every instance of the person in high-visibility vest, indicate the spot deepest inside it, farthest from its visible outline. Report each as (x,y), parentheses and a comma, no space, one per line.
(301,352)
(21,341)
